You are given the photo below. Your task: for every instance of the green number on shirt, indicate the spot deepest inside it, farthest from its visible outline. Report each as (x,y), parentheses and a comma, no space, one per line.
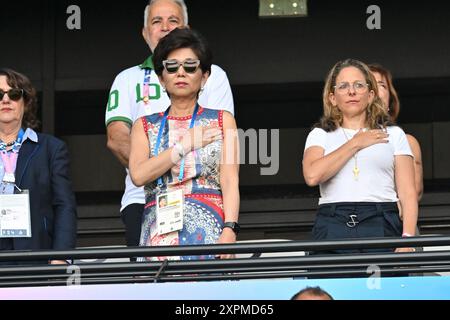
(156,96)
(113,101)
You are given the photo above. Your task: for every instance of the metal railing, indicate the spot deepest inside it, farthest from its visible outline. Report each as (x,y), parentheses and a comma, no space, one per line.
(254,267)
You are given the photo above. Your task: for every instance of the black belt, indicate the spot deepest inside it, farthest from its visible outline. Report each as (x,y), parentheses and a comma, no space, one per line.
(352,219)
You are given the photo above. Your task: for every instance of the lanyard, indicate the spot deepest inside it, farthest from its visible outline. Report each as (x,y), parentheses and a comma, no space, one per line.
(9,159)
(160,133)
(146,85)
(17,143)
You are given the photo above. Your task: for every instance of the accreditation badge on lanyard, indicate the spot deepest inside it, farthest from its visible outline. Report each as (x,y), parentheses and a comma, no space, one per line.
(169,211)
(15,218)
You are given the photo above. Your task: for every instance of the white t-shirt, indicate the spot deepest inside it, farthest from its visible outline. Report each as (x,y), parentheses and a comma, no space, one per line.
(126,104)
(376,179)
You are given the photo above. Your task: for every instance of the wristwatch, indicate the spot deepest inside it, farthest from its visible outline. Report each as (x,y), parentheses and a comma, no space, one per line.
(233,226)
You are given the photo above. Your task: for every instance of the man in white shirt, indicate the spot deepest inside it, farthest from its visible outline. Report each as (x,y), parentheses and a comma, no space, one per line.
(137,92)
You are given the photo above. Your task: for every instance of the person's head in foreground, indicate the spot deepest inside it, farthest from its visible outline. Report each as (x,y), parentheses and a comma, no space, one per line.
(312,293)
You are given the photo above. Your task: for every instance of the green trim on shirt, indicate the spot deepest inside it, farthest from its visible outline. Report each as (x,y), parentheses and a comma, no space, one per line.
(147,64)
(123,119)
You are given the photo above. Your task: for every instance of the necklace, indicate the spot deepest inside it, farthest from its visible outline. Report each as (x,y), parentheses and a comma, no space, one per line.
(7,145)
(355,158)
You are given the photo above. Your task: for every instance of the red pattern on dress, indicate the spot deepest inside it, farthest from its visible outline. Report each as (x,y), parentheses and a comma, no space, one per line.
(145,124)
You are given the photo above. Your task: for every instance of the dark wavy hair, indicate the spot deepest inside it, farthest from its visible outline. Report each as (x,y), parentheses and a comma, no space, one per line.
(394,102)
(17,80)
(179,39)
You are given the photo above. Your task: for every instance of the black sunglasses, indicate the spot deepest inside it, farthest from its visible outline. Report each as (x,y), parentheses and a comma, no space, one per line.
(14,94)
(172,65)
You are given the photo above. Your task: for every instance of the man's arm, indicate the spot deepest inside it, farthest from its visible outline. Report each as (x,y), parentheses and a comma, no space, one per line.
(119,140)
(118,117)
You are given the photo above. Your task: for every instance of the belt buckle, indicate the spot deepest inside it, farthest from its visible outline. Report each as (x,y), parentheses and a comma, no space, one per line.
(353,221)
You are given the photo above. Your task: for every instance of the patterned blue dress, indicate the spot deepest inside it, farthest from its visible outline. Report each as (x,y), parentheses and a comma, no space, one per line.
(203,204)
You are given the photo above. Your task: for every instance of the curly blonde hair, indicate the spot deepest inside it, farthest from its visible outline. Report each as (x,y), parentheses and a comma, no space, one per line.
(376,115)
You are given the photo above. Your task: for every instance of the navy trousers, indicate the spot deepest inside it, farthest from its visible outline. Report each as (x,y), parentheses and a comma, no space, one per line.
(353,220)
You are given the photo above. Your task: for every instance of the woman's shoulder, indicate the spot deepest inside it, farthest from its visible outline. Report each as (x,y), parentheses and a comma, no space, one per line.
(413,142)
(212,112)
(317,131)
(397,130)
(151,119)
(49,140)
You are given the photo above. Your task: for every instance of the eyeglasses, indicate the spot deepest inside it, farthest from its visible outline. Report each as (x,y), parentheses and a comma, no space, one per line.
(358,87)
(14,94)
(189,65)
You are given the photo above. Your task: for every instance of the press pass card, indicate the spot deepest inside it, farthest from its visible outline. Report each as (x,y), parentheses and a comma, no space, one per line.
(15,219)
(169,211)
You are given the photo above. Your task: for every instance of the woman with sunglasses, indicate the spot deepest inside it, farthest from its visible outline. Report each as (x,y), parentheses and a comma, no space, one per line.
(187,154)
(34,169)
(362,163)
